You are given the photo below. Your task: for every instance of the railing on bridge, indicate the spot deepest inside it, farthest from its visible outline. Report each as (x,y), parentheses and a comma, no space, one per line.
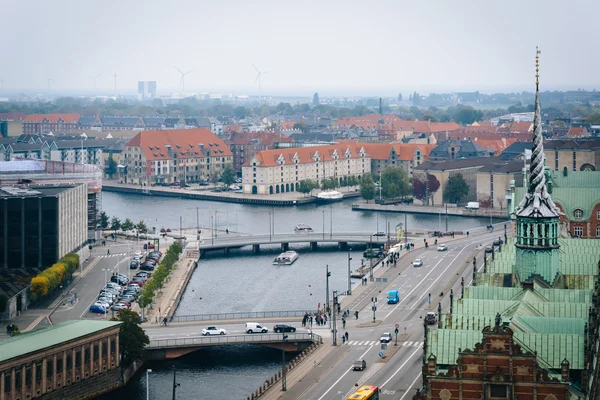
(240,315)
(232,339)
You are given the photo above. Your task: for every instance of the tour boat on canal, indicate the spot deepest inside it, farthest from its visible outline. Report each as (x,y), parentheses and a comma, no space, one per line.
(303,228)
(286,258)
(329,196)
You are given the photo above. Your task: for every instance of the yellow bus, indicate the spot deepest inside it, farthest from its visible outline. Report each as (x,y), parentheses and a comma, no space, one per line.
(365,393)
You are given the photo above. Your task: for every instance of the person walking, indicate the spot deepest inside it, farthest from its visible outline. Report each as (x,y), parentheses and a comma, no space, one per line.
(343,323)
(311,321)
(346,335)
(343,339)
(356,314)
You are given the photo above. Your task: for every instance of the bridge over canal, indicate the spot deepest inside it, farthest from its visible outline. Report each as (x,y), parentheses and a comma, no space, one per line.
(228,242)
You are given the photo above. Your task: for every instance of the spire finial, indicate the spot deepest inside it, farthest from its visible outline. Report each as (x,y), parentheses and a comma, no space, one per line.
(537,67)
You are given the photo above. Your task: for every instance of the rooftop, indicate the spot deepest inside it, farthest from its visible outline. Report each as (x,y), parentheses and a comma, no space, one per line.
(62,332)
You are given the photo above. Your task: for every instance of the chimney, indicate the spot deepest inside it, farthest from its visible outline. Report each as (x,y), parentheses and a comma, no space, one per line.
(431,365)
(527,285)
(564,370)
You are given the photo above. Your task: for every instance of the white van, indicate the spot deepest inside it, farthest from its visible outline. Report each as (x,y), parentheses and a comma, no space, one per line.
(255,327)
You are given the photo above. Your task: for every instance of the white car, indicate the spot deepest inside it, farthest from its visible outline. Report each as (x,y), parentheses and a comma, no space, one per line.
(102,304)
(418,263)
(213,330)
(442,247)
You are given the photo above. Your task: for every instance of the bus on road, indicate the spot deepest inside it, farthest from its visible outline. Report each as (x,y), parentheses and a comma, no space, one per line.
(366,393)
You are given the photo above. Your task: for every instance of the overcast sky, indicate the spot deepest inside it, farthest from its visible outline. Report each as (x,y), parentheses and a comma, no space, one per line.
(330,46)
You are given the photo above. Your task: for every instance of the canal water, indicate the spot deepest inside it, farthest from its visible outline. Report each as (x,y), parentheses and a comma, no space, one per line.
(242,281)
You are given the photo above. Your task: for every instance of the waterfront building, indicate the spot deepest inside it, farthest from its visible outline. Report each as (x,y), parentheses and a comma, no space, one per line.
(394,128)
(282,170)
(245,145)
(479,188)
(179,155)
(46,123)
(406,155)
(529,327)
(72,359)
(493,183)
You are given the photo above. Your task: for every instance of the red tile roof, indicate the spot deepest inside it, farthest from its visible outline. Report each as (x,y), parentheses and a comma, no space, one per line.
(521,126)
(576,132)
(268,158)
(371,121)
(404,151)
(496,145)
(53,118)
(186,142)
(287,124)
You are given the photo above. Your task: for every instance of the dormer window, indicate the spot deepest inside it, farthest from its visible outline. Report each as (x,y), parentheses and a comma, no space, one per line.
(578,213)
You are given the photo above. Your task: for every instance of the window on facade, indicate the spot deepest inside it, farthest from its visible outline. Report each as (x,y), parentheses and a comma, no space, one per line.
(49,370)
(578,213)
(498,391)
(598,231)
(38,372)
(578,231)
(574,161)
(59,365)
(598,215)
(7,383)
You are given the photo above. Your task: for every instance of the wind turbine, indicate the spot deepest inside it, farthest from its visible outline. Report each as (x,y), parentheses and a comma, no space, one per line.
(115,76)
(50,80)
(259,74)
(94,78)
(182,80)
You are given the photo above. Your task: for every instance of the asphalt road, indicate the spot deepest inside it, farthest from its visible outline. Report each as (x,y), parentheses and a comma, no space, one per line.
(400,374)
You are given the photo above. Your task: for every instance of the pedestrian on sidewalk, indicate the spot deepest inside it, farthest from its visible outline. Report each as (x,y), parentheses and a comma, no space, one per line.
(343,339)
(356,314)
(164,321)
(311,321)
(343,323)
(108,252)
(346,334)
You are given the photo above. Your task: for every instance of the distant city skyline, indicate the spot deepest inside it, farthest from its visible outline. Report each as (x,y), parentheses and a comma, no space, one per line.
(337,48)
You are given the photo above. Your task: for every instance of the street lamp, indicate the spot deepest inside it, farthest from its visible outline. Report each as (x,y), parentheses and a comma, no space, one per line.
(148,384)
(349,273)
(323,224)
(283,377)
(105,280)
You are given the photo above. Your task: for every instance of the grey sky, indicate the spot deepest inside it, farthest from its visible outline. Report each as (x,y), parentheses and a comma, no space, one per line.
(330,46)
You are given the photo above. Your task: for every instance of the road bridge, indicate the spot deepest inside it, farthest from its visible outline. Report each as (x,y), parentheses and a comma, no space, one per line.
(228,242)
(160,349)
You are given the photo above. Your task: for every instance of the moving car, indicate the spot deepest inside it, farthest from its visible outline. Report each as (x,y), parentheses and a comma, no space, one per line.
(385,337)
(379,234)
(95,308)
(418,263)
(213,330)
(134,264)
(489,249)
(283,328)
(431,318)
(442,247)
(359,365)
(255,327)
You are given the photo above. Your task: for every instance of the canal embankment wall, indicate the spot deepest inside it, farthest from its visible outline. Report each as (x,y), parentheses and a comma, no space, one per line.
(433,210)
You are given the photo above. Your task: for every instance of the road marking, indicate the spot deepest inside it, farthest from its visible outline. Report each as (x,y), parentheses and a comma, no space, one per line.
(341,377)
(398,370)
(411,385)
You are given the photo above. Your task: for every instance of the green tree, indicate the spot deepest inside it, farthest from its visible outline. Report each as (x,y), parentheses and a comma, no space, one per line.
(394,182)
(141,226)
(467,115)
(316,99)
(103,220)
(111,167)
(127,225)
(456,188)
(115,223)
(227,176)
(399,96)
(132,338)
(301,126)
(306,186)
(215,177)
(367,187)
(239,112)
(594,118)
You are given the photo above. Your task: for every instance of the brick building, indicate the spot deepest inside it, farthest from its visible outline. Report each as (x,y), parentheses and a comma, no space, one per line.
(179,155)
(46,123)
(245,145)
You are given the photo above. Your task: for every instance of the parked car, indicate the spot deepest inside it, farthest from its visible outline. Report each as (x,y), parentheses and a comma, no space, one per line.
(118,306)
(431,318)
(144,273)
(134,265)
(442,247)
(147,267)
(213,330)
(140,282)
(283,328)
(255,327)
(102,303)
(489,249)
(385,337)
(118,279)
(107,300)
(113,285)
(359,365)
(98,309)
(417,263)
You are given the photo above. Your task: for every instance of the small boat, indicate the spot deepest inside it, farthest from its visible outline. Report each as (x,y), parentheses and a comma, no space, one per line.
(286,258)
(303,228)
(329,196)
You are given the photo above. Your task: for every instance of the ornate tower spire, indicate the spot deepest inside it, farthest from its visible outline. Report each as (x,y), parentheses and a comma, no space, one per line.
(537,201)
(537,216)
